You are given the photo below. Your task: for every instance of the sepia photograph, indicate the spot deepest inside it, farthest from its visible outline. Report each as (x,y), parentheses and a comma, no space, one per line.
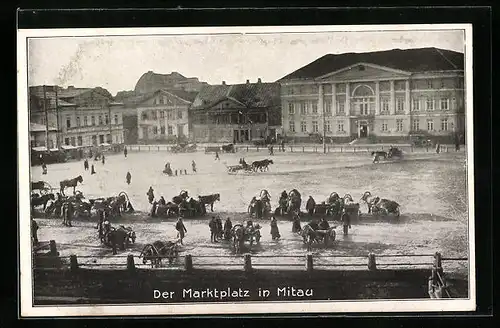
(241,170)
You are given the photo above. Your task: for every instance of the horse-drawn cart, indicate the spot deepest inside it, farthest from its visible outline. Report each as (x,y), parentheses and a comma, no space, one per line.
(41,187)
(159,250)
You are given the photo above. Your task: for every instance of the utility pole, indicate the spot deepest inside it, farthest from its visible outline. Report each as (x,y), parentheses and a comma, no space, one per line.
(46,118)
(58,131)
(109,123)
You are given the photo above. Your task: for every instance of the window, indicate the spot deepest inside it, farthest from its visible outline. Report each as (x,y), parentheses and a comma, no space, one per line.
(73,141)
(42,119)
(429,84)
(170,130)
(416,125)
(144,116)
(340,126)
(101,138)
(116,118)
(303,108)
(399,125)
(340,108)
(100,119)
(78,121)
(94,140)
(363,106)
(85,121)
(66,141)
(385,105)
(179,114)
(328,127)
(384,127)
(161,100)
(327,107)
(92,120)
(303,126)
(429,104)
(400,104)
(80,141)
(315,126)
(169,115)
(68,122)
(430,125)
(290,90)
(155,115)
(291,109)
(315,107)
(106,119)
(162,130)
(108,138)
(155,130)
(444,103)
(292,126)
(162,114)
(416,104)
(202,119)
(154,101)
(444,124)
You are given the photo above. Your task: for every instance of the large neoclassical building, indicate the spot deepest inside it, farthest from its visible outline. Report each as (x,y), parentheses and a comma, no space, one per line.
(384,96)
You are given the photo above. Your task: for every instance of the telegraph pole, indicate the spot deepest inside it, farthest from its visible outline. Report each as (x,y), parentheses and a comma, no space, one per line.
(58,131)
(46,118)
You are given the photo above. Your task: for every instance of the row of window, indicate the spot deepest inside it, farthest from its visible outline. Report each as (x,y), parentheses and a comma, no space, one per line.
(90,121)
(153,115)
(315,126)
(445,125)
(169,130)
(306,107)
(78,141)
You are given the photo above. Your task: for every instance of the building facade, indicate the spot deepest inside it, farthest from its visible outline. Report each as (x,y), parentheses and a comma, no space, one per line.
(82,117)
(381,96)
(163,116)
(236,113)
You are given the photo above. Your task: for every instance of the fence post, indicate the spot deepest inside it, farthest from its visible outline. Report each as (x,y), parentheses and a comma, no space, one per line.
(53,248)
(309,263)
(188,263)
(73,263)
(248,263)
(372,264)
(130,263)
(303,149)
(437,261)
(247,149)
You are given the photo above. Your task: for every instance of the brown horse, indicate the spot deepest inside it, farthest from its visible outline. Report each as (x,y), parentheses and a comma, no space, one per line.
(70,183)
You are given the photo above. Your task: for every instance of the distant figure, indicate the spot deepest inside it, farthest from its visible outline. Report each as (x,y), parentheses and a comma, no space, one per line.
(296,228)
(193,165)
(310,205)
(271,150)
(162,201)
(282,145)
(34,232)
(457,143)
(228,225)
(92,169)
(176,172)
(86,164)
(185,172)
(438,147)
(151,195)
(44,168)
(129,177)
(181,230)
(103,159)
(217,158)
(213,230)
(275,233)
(346,221)
(90,154)
(125,152)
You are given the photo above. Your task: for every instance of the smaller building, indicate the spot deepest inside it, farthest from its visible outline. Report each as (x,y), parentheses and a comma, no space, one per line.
(39,136)
(163,116)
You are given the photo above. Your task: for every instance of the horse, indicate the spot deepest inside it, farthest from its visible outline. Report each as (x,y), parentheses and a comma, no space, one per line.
(209,200)
(228,148)
(37,200)
(377,154)
(70,183)
(156,251)
(332,198)
(262,165)
(238,234)
(167,210)
(310,236)
(380,206)
(257,207)
(395,152)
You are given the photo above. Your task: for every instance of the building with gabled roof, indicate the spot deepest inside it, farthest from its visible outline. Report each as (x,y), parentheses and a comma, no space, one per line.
(236,113)
(383,95)
(151,81)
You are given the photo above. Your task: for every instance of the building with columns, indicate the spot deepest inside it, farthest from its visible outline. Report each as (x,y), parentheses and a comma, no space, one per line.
(383,96)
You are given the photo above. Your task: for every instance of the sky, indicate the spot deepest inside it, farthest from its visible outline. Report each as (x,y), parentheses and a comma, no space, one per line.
(117,62)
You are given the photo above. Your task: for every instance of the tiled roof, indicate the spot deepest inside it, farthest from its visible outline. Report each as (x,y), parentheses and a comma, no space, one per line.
(250,94)
(135,100)
(410,60)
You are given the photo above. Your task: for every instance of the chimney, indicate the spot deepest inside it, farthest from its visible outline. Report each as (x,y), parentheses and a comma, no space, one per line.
(223,82)
(259,80)
(248,81)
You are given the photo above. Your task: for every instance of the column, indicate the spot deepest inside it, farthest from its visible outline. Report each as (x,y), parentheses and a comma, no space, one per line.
(392,104)
(321,107)
(334,99)
(407,97)
(377,98)
(347,99)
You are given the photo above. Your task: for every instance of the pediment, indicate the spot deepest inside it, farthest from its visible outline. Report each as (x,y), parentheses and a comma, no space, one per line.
(361,71)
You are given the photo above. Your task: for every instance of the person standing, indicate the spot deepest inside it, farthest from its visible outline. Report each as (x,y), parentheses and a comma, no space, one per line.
(103,159)
(44,168)
(193,165)
(275,233)
(457,143)
(86,164)
(34,232)
(310,205)
(296,228)
(228,225)
(150,195)
(282,145)
(438,147)
(128,177)
(125,152)
(346,222)
(213,230)
(92,169)
(181,230)
(217,158)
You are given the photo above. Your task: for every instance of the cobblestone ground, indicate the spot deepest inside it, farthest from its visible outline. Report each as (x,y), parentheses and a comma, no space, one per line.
(431,189)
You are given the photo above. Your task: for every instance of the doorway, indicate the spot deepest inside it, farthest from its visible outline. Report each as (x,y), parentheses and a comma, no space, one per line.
(363,130)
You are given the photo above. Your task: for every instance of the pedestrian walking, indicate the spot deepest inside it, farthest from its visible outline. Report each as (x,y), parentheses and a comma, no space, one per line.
(346,222)
(34,232)
(217,158)
(44,168)
(92,169)
(181,230)
(275,233)
(86,165)
(125,152)
(128,177)
(193,165)
(151,195)
(103,159)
